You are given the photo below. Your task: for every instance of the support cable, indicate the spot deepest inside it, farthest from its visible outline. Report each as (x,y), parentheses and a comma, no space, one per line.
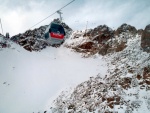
(52,14)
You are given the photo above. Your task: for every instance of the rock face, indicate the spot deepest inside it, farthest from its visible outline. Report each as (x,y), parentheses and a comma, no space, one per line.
(140,31)
(101,33)
(126,28)
(31,40)
(145,40)
(104,40)
(98,40)
(4,42)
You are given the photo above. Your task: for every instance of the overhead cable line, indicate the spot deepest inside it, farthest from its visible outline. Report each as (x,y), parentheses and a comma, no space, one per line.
(52,14)
(66,4)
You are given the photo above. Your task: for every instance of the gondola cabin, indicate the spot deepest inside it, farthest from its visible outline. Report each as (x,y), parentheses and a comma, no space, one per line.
(55,34)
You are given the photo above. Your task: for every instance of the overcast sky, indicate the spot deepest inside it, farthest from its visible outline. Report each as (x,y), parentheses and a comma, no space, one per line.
(19,15)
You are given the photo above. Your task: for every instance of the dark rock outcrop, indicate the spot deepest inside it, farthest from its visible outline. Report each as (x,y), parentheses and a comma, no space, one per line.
(140,31)
(99,40)
(126,28)
(101,33)
(87,47)
(31,40)
(145,40)
(3,42)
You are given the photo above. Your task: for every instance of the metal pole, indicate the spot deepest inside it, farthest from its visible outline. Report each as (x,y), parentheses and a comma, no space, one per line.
(59,12)
(86,25)
(1,26)
(86,28)
(60,17)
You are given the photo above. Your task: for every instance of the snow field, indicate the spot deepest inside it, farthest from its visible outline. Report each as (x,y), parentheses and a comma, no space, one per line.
(30,81)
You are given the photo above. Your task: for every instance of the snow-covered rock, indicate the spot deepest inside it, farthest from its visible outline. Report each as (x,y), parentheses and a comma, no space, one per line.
(4,42)
(145,41)
(126,28)
(100,40)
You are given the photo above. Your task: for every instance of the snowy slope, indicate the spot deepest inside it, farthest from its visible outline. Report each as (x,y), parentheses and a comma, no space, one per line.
(29,81)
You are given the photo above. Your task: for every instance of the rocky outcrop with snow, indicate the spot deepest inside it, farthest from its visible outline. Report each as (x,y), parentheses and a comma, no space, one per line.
(4,42)
(100,34)
(103,40)
(31,40)
(99,40)
(125,28)
(145,40)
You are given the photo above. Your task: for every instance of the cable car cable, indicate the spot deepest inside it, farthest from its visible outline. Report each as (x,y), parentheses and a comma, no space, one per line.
(52,14)
(42,20)
(66,5)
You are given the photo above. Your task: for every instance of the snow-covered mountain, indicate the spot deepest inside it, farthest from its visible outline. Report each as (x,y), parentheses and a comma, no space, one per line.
(99,70)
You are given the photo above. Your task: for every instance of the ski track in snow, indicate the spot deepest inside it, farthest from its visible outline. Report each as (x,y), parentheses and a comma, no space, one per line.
(30,81)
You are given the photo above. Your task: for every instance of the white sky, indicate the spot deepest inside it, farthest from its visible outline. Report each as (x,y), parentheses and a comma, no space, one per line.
(19,15)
